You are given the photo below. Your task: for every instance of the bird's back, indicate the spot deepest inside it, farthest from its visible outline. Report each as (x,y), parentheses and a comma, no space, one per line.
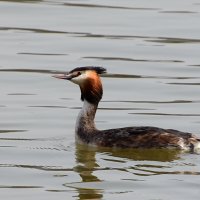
(144,137)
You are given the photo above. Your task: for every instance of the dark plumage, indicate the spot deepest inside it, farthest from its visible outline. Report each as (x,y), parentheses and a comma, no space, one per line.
(99,70)
(129,137)
(139,137)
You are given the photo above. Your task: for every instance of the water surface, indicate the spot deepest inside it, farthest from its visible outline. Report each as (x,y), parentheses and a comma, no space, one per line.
(151,52)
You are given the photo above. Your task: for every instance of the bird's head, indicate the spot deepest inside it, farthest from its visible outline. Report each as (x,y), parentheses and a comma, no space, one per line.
(89,81)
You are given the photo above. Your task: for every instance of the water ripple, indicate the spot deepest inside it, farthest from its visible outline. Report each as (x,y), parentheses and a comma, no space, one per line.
(39,167)
(178,12)
(149,172)
(169,114)
(155,102)
(109,75)
(12,131)
(19,186)
(130,59)
(42,54)
(107,6)
(107,36)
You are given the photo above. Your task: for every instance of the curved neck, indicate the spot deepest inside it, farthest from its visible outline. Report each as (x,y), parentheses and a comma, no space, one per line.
(85,122)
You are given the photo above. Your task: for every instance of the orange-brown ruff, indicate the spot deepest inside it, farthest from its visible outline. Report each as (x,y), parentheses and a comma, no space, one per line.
(129,137)
(91,88)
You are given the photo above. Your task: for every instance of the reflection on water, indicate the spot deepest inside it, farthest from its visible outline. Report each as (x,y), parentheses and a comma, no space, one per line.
(161,155)
(92,187)
(86,165)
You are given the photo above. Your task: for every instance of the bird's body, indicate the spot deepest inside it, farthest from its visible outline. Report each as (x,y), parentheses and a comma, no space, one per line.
(129,137)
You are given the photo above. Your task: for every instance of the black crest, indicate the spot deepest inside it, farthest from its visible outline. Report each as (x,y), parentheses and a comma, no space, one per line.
(99,70)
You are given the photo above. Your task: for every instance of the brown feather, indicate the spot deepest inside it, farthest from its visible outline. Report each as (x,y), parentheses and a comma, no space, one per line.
(91,89)
(129,137)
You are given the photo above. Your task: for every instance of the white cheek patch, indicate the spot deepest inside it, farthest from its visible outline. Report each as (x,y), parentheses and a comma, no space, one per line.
(79,79)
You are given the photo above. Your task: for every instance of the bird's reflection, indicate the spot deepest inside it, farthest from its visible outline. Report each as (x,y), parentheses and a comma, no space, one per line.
(87,164)
(161,155)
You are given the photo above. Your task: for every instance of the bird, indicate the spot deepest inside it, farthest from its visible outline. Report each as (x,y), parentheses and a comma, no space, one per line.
(89,80)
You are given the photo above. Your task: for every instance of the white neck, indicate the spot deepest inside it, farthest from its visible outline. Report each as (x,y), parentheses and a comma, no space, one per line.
(85,121)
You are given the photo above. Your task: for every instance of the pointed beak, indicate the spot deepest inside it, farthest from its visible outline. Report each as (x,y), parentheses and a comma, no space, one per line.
(63,76)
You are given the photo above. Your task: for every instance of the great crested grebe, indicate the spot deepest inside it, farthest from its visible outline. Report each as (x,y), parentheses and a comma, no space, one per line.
(90,85)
